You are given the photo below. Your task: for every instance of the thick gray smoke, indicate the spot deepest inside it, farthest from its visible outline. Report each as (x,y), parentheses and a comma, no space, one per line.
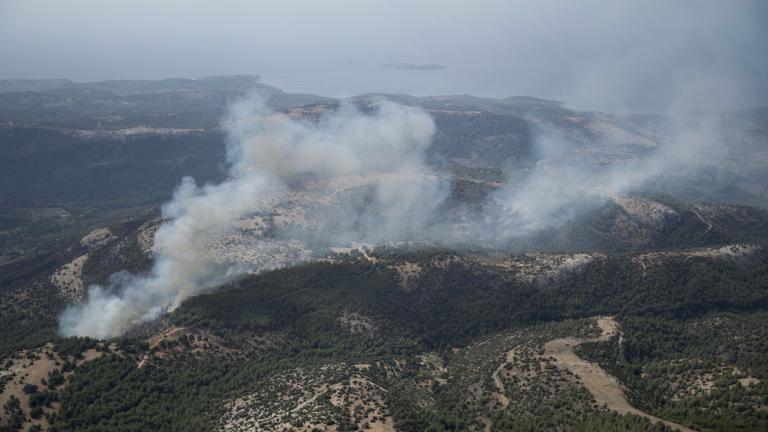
(263,148)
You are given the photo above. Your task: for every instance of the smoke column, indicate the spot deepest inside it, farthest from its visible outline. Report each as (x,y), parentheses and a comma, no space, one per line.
(263,147)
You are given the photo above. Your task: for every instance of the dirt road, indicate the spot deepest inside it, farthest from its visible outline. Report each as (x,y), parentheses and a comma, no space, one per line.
(155,341)
(497,381)
(604,388)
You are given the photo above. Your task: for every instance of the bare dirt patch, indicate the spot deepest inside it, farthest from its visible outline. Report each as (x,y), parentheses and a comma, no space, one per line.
(408,272)
(645,210)
(742,254)
(96,238)
(146,236)
(34,367)
(68,279)
(749,381)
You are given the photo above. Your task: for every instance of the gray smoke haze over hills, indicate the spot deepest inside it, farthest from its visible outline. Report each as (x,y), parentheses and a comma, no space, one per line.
(563,184)
(676,59)
(404,199)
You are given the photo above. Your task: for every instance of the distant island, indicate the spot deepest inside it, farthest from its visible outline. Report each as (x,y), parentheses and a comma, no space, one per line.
(411,66)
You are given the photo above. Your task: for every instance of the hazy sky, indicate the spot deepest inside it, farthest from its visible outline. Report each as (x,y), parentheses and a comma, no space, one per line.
(604,54)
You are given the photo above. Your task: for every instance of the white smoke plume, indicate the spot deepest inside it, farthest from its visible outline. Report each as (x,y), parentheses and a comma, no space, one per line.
(563,183)
(265,147)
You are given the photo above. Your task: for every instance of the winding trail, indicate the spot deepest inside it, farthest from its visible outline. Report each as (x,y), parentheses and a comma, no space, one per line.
(501,391)
(604,388)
